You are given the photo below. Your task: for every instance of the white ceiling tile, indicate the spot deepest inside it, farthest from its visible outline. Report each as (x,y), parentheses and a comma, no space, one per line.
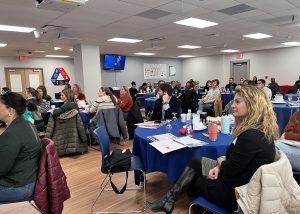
(218,4)
(271,5)
(149,3)
(177,7)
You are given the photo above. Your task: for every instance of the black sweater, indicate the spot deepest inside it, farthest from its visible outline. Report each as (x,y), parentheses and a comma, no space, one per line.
(243,158)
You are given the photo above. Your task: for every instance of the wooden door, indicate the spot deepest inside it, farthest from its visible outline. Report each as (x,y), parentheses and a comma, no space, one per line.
(18,79)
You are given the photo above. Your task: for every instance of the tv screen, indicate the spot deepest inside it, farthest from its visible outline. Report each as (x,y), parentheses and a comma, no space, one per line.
(114,62)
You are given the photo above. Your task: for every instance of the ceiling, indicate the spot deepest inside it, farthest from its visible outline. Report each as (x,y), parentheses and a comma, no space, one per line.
(99,20)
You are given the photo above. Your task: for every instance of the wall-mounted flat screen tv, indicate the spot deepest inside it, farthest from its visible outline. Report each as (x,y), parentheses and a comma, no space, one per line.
(114,62)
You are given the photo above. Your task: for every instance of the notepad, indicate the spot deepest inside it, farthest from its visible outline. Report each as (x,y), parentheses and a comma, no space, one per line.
(167,136)
(190,142)
(166,146)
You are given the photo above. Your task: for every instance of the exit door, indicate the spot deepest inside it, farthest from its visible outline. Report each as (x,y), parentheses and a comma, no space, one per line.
(240,69)
(18,79)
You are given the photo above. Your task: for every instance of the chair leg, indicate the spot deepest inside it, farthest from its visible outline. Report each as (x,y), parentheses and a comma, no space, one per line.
(102,189)
(192,205)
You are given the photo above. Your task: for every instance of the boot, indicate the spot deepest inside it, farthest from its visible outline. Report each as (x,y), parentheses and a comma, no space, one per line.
(167,202)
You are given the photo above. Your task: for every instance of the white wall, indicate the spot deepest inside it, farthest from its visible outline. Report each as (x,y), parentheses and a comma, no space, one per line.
(281,63)
(134,70)
(48,66)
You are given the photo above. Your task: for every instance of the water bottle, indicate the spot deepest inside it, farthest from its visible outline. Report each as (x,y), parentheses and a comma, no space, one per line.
(189,122)
(225,124)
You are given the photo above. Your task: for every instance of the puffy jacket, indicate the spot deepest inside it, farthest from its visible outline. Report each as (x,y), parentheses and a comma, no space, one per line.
(272,189)
(68,133)
(51,189)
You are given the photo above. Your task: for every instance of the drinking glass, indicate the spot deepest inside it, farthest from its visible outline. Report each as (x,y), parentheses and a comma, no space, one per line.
(174,116)
(290,98)
(169,126)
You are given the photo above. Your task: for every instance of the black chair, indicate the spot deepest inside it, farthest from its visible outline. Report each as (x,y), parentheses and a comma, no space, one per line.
(136,164)
(207,205)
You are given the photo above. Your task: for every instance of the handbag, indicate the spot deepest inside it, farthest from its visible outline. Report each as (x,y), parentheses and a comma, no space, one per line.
(118,161)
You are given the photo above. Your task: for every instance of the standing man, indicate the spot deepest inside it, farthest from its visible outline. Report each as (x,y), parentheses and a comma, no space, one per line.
(273,86)
(261,83)
(231,85)
(166,104)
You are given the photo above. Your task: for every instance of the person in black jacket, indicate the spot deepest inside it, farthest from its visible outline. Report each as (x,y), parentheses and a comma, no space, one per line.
(231,85)
(189,99)
(166,104)
(133,91)
(255,130)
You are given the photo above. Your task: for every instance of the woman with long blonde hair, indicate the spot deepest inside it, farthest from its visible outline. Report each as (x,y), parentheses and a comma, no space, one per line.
(253,146)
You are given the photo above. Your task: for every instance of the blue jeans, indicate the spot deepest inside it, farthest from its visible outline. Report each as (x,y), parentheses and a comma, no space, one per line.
(16,194)
(292,153)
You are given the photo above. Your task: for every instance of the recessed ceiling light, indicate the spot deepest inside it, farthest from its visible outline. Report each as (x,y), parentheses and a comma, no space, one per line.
(16,29)
(258,36)
(2,45)
(38,51)
(189,46)
(116,39)
(291,43)
(57,56)
(71,49)
(57,48)
(229,51)
(185,56)
(197,23)
(144,54)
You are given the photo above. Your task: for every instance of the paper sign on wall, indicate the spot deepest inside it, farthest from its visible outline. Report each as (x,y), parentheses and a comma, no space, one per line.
(60,77)
(34,80)
(16,82)
(155,71)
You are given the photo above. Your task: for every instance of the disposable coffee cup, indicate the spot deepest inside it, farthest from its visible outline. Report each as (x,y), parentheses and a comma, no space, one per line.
(183,118)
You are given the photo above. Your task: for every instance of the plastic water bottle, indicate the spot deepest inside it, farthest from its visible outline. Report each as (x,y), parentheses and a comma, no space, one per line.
(189,122)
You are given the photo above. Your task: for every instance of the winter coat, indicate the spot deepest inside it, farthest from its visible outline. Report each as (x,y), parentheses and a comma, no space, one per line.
(68,133)
(113,120)
(51,189)
(272,189)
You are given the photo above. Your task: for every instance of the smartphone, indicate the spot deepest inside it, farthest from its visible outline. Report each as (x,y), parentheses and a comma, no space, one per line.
(205,134)
(157,121)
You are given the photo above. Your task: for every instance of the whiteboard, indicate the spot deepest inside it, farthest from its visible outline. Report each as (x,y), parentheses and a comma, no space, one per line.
(155,71)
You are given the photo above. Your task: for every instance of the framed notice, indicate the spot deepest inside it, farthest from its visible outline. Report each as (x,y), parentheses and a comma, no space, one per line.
(172,70)
(155,71)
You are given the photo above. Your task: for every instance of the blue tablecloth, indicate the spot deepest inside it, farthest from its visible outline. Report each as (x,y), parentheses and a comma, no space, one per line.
(57,103)
(86,119)
(283,114)
(294,96)
(142,96)
(227,97)
(173,163)
(150,102)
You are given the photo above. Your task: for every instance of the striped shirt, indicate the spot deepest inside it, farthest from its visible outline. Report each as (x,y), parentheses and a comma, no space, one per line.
(103,102)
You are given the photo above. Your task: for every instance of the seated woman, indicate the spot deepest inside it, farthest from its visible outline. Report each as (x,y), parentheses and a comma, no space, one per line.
(105,100)
(255,131)
(46,99)
(67,97)
(291,132)
(78,95)
(208,100)
(34,102)
(20,150)
(125,103)
(143,88)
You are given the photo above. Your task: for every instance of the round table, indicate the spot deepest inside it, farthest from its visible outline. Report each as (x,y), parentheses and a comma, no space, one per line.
(150,102)
(294,96)
(173,163)
(227,97)
(283,113)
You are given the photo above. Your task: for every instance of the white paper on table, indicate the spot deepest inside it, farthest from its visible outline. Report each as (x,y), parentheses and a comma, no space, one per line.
(190,142)
(166,146)
(167,136)
(290,142)
(16,82)
(34,80)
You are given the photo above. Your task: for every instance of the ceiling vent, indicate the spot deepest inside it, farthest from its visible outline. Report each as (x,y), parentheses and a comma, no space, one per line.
(240,8)
(153,14)
(284,21)
(59,5)
(53,28)
(154,44)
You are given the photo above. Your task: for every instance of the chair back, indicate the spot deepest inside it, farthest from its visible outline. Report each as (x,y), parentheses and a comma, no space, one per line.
(104,143)
(218,106)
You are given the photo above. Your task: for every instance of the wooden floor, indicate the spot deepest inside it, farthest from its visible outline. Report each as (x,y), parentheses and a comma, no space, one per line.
(84,178)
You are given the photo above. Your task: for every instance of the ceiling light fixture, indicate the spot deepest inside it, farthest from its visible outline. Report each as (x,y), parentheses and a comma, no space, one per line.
(257,36)
(197,23)
(125,40)
(2,45)
(185,56)
(57,56)
(71,49)
(16,29)
(291,43)
(229,51)
(144,54)
(38,51)
(189,46)
(37,33)
(57,48)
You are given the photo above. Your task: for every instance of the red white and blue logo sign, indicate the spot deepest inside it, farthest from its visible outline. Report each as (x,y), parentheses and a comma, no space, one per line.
(60,77)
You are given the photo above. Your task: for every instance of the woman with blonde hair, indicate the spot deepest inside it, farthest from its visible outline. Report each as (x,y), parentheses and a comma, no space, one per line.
(78,95)
(255,131)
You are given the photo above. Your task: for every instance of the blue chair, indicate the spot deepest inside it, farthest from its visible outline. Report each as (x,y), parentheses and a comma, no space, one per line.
(136,164)
(200,201)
